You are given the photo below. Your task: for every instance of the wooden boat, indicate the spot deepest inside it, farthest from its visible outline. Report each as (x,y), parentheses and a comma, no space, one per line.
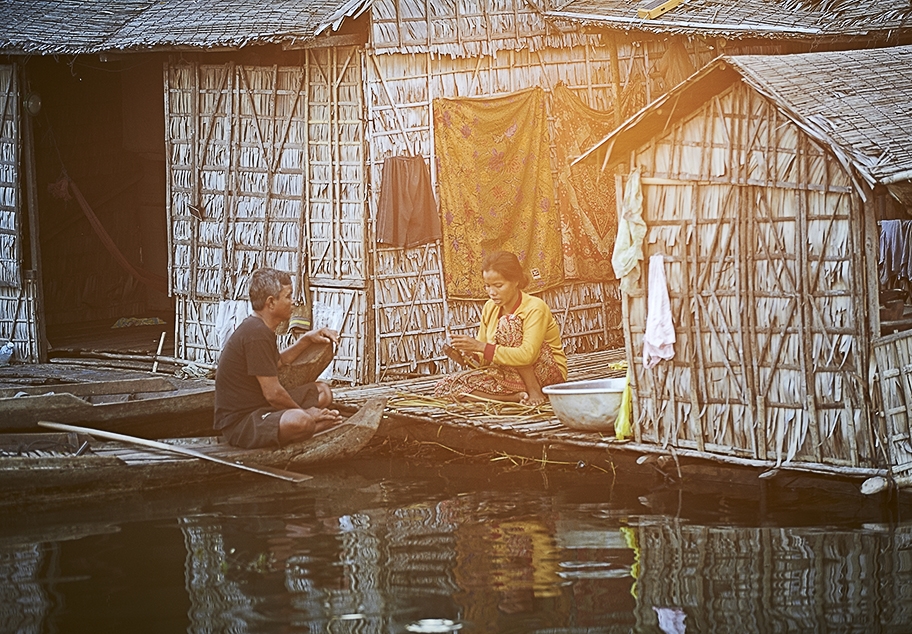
(140,404)
(154,406)
(43,466)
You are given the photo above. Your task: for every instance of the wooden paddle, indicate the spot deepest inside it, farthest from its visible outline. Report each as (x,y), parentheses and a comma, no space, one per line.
(281,474)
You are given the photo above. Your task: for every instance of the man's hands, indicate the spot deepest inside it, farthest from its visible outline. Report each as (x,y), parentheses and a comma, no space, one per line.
(322,335)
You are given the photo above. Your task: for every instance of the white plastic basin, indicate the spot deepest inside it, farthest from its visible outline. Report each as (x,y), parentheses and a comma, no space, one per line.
(587,405)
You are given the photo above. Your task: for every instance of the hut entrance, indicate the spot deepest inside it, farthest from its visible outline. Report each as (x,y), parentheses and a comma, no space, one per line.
(100,187)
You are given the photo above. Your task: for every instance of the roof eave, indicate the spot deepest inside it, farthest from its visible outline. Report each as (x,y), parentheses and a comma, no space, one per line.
(674,105)
(286,41)
(654,25)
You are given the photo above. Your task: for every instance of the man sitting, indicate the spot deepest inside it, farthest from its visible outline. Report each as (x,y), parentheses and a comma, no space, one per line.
(252,408)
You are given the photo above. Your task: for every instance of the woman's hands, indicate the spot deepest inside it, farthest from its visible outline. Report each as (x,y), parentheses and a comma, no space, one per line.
(464,343)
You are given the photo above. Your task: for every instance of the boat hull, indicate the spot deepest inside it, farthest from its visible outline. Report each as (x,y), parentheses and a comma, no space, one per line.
(111,468)
(154,407)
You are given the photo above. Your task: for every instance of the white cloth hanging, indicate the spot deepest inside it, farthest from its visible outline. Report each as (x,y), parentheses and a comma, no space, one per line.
(628,248)
(659,340)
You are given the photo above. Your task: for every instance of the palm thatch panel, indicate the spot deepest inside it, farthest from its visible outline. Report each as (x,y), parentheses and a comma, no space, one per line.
(18,288)
(894,357)
(464,28)
(759,235)
(409,315)
(344,310)
(265,169)
(10,239)
(196,329)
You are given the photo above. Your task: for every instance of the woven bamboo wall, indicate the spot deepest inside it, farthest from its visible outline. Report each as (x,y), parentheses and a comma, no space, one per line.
(761,234)
(265,169)
(760,579)
(17,290)
(400,91)
(894,375)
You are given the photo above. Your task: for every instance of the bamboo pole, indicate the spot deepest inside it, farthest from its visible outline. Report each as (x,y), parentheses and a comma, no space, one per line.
(230,191)
(161,342)
(123,356)
(806,298)
(36,315)
(195,184)
(615,66)
(289,476)
(169,175)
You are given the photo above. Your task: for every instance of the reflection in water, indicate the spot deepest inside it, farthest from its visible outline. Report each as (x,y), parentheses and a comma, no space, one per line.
(20,589)
(418,553)
(776,579)
(217,603)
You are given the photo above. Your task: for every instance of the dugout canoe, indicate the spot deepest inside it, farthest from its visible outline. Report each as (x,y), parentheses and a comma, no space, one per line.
(135,403)
(149,406)
(45,466)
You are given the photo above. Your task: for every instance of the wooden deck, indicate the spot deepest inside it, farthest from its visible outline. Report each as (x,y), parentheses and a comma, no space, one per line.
(534,424)
(538,437)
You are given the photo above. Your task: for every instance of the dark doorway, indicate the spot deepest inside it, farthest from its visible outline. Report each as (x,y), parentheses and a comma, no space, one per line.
(100,153)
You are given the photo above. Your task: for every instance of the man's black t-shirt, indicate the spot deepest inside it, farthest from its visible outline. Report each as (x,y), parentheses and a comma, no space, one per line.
(251,351)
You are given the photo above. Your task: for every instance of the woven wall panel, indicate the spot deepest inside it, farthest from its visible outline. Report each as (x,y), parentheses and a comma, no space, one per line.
(18,291)
(764,268)
(894,375)
(264,170)
(400,90)
(344,310)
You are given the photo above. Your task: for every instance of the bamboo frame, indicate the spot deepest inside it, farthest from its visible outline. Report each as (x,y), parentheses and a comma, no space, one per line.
(776,377)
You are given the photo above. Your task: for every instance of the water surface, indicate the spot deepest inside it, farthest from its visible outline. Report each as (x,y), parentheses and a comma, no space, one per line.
(386,545)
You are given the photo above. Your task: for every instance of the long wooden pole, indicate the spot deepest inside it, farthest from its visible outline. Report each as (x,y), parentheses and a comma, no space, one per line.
(40,346)
(281,474)
(161,342)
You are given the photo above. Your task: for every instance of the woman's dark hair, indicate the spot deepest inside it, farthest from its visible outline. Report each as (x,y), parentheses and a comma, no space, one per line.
(507,264)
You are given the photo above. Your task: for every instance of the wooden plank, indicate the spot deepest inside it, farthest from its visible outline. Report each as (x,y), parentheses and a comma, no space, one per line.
(124,386)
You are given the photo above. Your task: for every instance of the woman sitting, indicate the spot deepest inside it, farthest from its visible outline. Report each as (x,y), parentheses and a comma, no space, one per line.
(518,349)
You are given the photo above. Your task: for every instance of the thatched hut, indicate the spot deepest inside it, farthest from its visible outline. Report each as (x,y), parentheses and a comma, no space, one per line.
(762,182)
(269,144)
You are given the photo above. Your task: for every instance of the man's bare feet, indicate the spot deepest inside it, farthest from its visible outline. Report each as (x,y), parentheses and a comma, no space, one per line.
(324,418)
(297,425)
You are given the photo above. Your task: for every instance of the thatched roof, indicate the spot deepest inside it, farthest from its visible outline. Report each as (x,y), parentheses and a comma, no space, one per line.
(90,26)
(760,18)
(857,103)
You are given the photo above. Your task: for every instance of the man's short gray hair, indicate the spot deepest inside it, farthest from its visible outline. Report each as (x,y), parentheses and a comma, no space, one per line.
(266,283)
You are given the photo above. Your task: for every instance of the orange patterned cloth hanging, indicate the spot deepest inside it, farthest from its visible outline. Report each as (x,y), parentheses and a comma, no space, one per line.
(586,195)
(496,188)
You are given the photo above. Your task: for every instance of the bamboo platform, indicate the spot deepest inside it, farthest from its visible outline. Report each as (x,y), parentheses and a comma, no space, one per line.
(526,435)
(410,402)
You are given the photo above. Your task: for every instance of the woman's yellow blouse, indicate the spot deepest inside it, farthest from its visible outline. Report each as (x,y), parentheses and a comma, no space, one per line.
(538,326)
